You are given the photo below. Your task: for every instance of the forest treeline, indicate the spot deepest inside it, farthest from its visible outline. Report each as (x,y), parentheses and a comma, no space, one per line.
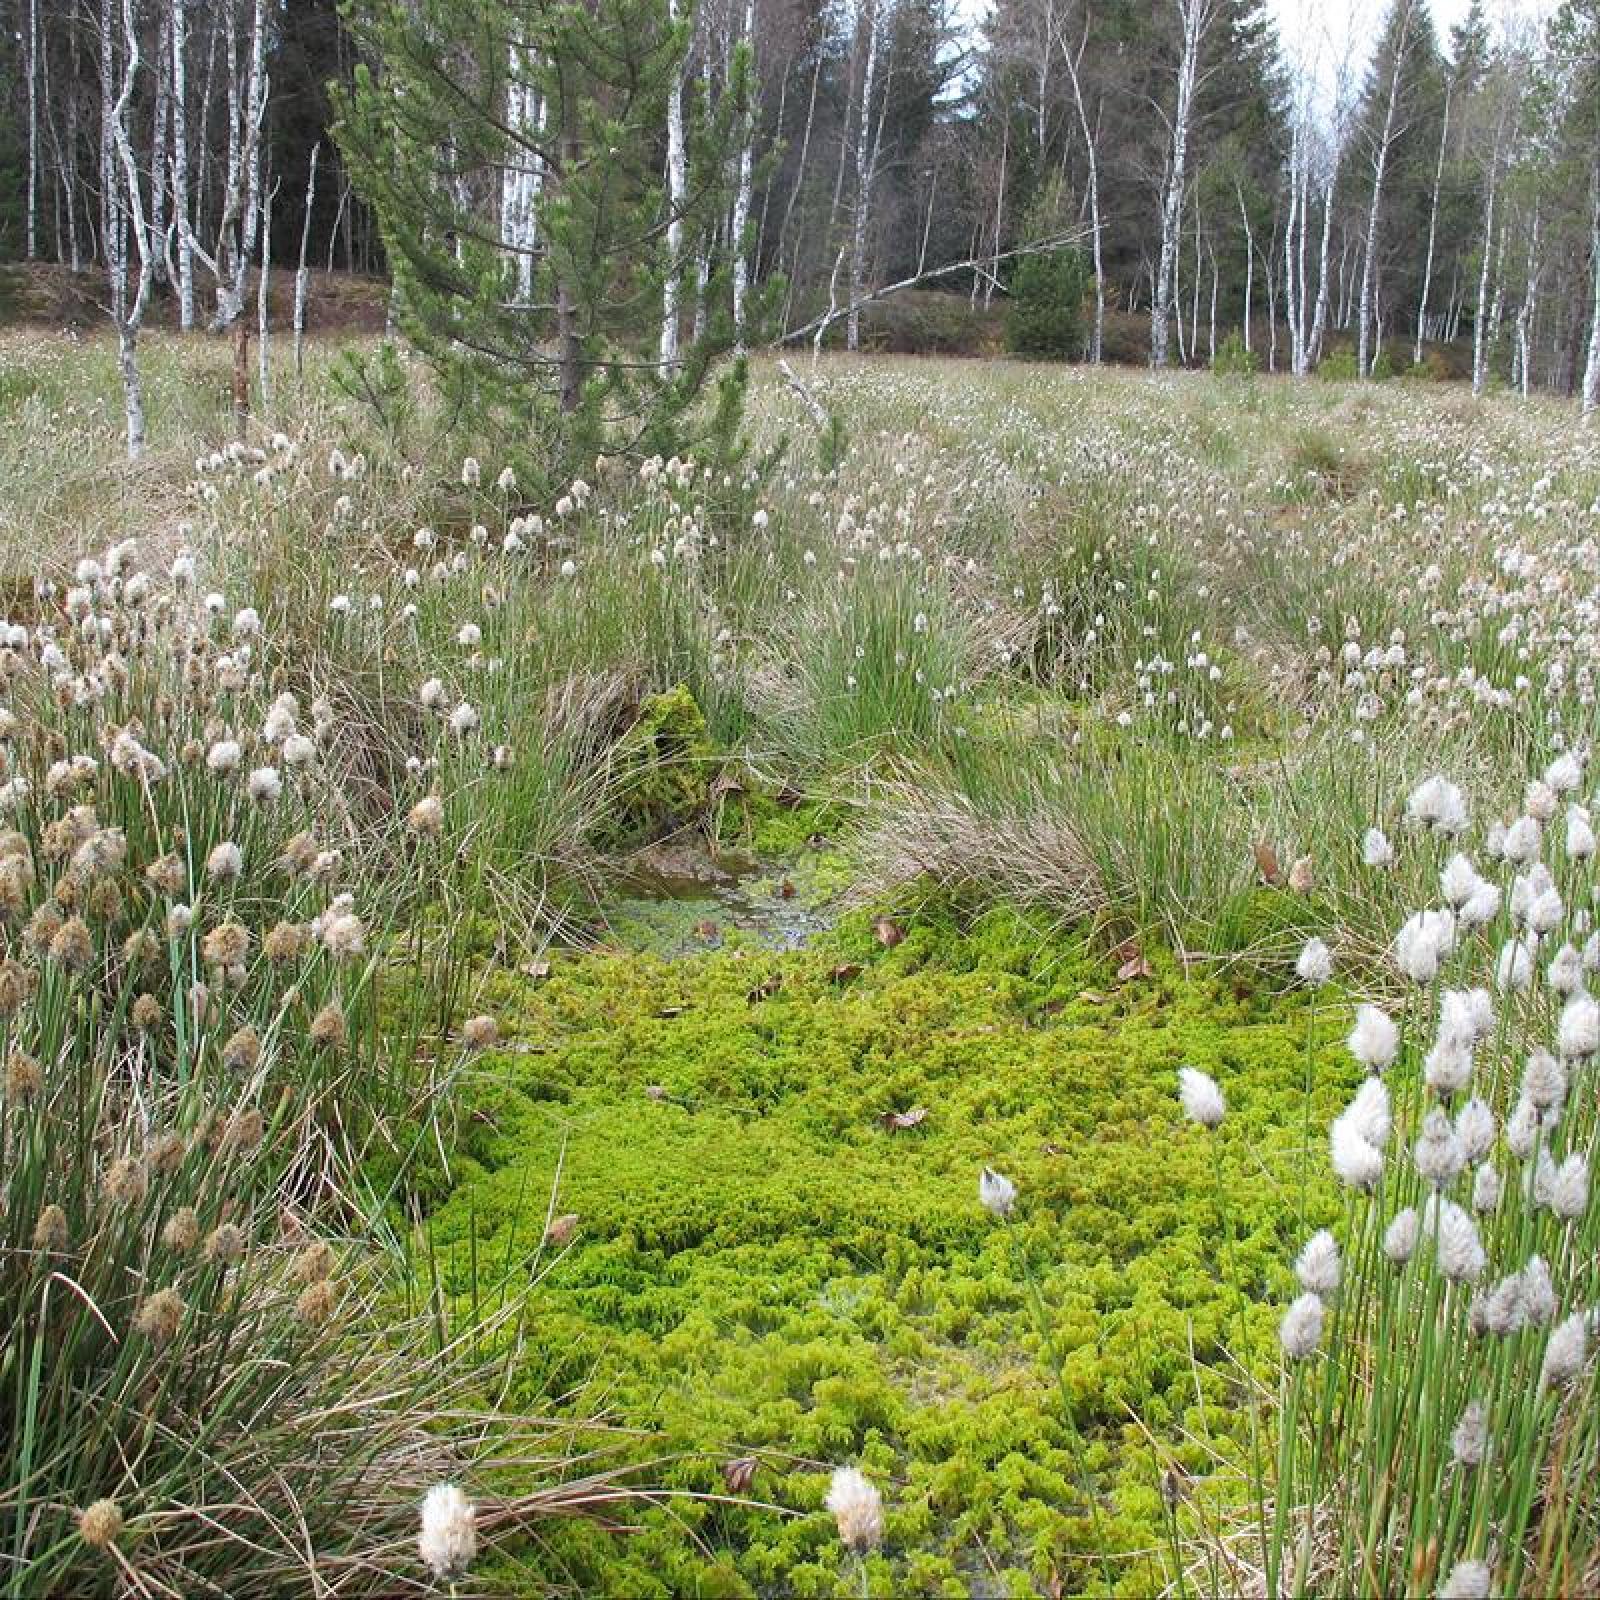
(1421,189)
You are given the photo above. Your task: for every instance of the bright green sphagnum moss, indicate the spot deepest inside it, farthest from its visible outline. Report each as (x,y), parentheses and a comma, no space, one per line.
(763,1267)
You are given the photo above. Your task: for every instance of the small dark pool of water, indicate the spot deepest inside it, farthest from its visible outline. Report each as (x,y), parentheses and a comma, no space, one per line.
(676,900)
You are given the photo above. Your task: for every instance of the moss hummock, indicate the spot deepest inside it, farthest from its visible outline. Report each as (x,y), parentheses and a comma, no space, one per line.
(764,1267)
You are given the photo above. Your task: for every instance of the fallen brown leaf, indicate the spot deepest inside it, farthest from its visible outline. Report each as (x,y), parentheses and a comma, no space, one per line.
(1267,864)
(560,1231)
(895,1120)
(889,932)
(739,1473)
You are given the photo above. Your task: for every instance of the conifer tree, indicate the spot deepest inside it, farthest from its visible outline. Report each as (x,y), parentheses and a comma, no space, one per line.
(513,153)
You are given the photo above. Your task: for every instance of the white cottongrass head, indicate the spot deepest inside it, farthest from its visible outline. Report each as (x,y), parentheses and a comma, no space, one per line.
(1447,1068)
(1376,850)
(1544,1082)
(1538,1292)
(1461,1253)
(1580,833)
(1315,965)
(1568,1195)
(1357,1162)
(448,1539)
(1475,1128)
(225,862)
(265,785)
(1468,1580)
(1200,1097)
(1400,1237)
(1422,944)
(1300,1331)
(1317,1266)
(1566,1352)
(1374,1040)
(1437,1152)
(224,757)
(996,1192)
(1578,1035)
(1469,1442)
(1438,804)
(1459,881)
(1513,971)
(857,1508)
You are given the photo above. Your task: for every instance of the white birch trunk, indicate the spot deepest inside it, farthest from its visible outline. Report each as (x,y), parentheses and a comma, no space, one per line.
(1433,230)
(1527,311)
(33,130)
(124,195)
(858,221)
(162,67)
(1249,261)
(677,190)
(741,199)
(1293,290)
(1369,260)
(1092,154)
(1590,401)
(1194,15)
(1480,323)
(181,212)
(1319,316)
(521,180)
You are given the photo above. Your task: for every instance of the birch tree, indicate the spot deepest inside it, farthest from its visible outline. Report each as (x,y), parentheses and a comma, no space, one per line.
(1433,223)
(1590,400)
(740,224)
(1194,17)
(1399,32)
(182,203)
(125,212)
(863,177)
(677,191)
(1091,144)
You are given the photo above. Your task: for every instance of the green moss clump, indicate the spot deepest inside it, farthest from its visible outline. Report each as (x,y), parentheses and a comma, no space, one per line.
(661,771)
(763,1266)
